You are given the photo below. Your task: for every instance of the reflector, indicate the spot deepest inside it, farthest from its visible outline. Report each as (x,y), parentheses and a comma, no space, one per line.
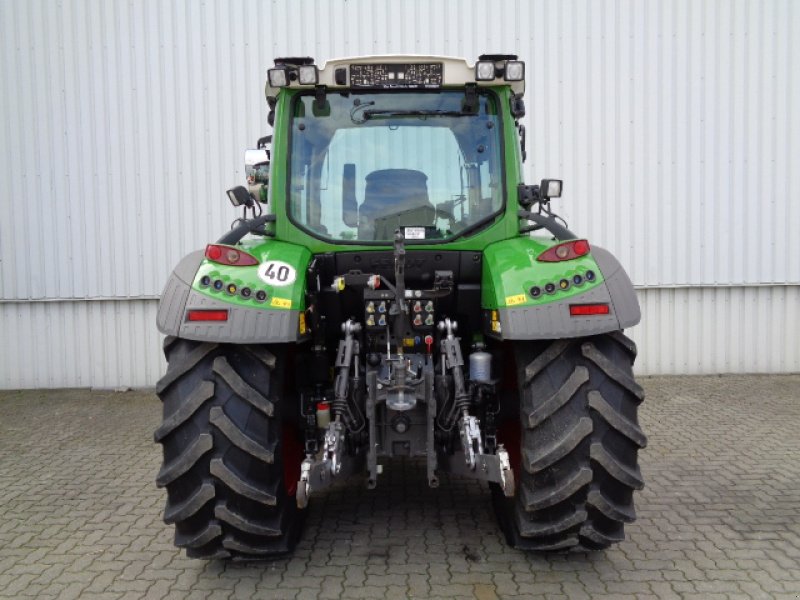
(206,315)
(583,310)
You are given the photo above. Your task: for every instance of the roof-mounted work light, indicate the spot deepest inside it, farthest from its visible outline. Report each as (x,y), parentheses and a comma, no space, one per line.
(515,70)
(278,77)
(484,70)
(307,75)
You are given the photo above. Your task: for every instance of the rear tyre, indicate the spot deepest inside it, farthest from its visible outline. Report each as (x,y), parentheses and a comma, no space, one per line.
(576,463)
(226,450)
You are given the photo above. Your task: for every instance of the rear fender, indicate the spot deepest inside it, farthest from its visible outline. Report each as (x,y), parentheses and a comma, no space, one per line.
(280,317)
(510,312)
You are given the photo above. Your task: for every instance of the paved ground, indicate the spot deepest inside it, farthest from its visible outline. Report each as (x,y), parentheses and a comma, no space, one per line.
(720,518)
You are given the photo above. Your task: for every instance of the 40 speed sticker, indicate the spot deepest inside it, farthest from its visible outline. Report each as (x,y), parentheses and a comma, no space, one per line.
(277,273)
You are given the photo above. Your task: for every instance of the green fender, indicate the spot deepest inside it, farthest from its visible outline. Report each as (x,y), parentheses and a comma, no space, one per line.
(511,312)
(200,284)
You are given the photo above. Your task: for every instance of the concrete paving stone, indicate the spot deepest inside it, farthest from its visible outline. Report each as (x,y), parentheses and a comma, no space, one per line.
(387,580)
(664,590)
(160,589)
(544,588)
(452,590)
(86,595)
(475,578)
(720,516)
(650,575)
(365,591)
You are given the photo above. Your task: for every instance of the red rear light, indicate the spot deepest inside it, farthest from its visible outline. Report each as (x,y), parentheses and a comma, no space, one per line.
(585,310)
(206,315)
(565,251)
(581,247)
(226,255)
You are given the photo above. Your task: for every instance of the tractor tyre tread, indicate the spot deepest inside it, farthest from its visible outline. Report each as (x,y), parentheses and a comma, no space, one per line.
(579,442)
(223,460)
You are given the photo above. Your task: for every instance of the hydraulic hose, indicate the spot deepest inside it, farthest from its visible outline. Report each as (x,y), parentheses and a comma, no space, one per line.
(248,226)
(550,223)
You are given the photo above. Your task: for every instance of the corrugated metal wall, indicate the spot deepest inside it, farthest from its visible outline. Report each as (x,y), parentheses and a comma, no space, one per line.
(674,124)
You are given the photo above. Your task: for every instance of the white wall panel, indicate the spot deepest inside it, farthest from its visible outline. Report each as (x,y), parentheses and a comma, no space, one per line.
(702,330)
(113,344)
(674,123)
(101,344)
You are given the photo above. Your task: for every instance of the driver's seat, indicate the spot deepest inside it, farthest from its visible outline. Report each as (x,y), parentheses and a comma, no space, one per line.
(394,198)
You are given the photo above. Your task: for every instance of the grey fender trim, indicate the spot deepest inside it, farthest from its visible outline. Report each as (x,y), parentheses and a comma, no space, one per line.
(173,298)
(187,268)
(553,320)
(623,295)
(244,325)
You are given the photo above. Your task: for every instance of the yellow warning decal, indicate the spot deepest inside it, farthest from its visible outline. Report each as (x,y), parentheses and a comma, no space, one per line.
(518,299)
(280,302)
(302,323)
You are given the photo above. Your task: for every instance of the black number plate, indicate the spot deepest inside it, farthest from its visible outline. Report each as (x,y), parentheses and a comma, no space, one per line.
(413,75)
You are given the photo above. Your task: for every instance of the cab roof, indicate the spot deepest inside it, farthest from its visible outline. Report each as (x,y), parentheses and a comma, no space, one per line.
(390,71)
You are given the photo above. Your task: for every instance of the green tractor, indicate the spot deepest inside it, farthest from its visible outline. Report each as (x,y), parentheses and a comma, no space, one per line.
(394,289)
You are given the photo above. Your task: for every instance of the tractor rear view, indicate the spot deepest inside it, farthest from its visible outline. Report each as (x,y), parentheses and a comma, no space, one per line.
(394,289)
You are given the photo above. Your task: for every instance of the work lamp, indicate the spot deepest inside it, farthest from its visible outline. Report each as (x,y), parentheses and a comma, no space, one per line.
(515,70)
(307,75)
(278,77)
(551,188)
(484,70)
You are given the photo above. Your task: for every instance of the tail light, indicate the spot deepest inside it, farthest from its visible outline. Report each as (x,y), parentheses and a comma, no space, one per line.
(225,255)
(565,251)
(586,310)
(206,315)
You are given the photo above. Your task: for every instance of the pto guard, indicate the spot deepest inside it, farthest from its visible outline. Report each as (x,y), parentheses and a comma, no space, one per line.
(511,313)
(256,324)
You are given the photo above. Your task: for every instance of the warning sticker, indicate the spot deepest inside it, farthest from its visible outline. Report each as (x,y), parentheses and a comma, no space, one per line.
(518,299)
(281,302)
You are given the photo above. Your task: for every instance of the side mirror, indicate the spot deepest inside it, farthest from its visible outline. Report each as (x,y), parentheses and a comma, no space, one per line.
(349,203)
(550,188)
(239,196)
(256,166)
